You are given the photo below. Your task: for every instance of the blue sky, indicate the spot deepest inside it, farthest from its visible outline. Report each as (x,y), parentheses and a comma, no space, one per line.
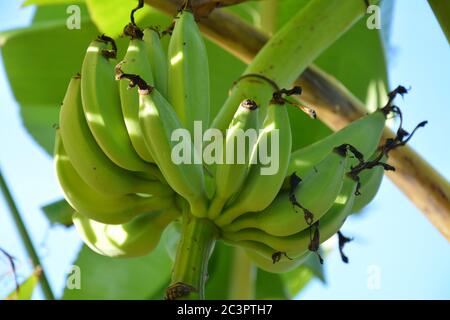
(394,244)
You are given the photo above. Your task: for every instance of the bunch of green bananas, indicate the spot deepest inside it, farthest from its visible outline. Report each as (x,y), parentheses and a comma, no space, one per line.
(113,157)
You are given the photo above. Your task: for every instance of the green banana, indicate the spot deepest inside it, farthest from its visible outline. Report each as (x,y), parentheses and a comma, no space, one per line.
(296,245)
(188,88)
(364,134)
(101,104)
(314,195)
(157,59)
(231,174)
(263,256)
(135,61)
(159,122)
(132,239)
(370,184)
(258,90)
(284,265)
(95,205)
(260,189)
(88,159)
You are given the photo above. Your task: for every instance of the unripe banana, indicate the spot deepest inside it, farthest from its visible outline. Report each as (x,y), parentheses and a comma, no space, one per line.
(364,134)
(189,72)
(370,184)
(252,88)
(101,104)
(95,205)
(231,174)
(133,239)
(260,189)
(314,196)
(158,122)
(264,256)
(88,159)
(157,59)
(135,61)
(296,245)
(284,265)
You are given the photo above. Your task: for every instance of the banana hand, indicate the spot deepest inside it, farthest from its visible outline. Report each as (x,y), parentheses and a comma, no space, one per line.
(102,107)
(261,188)
(314,196)
(133,239)
(236,152)
(89,161)
(297,244)
(95,205)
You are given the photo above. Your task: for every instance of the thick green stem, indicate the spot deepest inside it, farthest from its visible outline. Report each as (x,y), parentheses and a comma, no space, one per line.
(290,51)
(24,235)
(190,272)
(242,281)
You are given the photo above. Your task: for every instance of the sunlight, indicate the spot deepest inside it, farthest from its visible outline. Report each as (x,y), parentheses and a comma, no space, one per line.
(94,118)
(93,49)
(341,199)
(177,58)
(117,233)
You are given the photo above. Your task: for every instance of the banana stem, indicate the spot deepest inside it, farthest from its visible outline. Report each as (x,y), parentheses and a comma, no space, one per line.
(292,49)
(24,235)
(242,286)
(190,272)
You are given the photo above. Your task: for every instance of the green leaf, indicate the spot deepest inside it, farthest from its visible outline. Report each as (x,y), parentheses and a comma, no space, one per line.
(46,13)
(313,264)
(49,2)
(26,289)
(224,69)
(112,279)
(111,16)
(297,279)
(441,10)
(39,62)
(247,11)
(287,9)
(357,60)
(219,270)
(270,286)
(59,212)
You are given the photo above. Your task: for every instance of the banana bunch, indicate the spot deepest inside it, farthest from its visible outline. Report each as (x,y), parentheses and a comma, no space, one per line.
(113,145)
(116,158)
(313,201)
